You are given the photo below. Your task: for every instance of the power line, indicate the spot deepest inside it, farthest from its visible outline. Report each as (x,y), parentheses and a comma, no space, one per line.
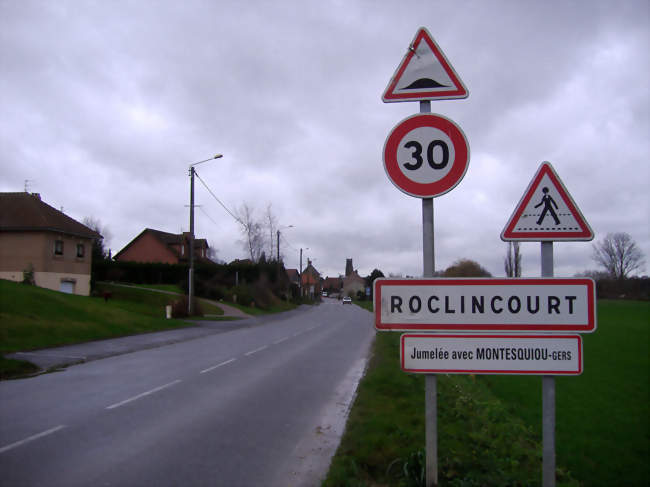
(205,213)
(218,200)
(284,239)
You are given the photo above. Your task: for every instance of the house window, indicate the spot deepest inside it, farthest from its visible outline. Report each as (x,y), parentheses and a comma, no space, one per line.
(58,247)
(81,250)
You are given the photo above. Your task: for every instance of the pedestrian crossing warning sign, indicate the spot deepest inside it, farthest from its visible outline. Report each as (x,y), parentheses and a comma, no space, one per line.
(547,212)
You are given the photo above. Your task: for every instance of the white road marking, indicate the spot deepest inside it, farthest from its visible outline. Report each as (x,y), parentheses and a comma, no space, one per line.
(256,350)
(218,365)
(139,396)
(281,340)
(32,438)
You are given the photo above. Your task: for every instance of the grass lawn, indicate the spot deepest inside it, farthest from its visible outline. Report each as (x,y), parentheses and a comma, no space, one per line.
(490,426)
(33,317)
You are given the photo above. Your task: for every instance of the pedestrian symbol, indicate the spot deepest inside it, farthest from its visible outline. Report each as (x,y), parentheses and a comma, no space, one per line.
(546,212)
(548,203)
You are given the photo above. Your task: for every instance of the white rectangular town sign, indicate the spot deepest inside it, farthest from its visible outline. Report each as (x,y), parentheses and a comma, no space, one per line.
(459,304)
(491,354)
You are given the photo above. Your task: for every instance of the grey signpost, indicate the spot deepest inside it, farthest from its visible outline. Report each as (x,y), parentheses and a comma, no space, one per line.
(425,74)
(545,198)
(548,394)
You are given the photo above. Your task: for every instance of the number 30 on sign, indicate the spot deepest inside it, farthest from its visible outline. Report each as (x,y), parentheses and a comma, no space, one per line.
(426,155)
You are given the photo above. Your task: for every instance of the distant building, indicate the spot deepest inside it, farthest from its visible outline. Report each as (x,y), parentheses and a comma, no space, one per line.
(35,236)
(294,276)
(310,280)
(332,284)
(353,282)
(161,247)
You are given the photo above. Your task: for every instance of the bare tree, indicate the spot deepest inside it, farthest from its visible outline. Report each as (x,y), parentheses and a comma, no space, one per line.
(99,250)
(512,262)
(253,241)
(618,254)
(270,227)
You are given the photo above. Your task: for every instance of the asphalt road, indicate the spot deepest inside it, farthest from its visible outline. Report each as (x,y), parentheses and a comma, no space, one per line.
(256,406)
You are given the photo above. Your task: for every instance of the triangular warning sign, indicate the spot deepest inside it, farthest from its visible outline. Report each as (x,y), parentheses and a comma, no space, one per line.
(547,212)
(424,74)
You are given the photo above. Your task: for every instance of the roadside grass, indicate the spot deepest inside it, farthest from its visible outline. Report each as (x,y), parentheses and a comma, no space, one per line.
(489,427)
(278,307)
(137,298)
(479,441)
(33,318)
(602,431)
(16,368)
(172,288)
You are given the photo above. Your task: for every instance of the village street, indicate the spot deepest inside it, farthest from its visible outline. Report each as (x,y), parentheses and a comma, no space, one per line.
(254,405)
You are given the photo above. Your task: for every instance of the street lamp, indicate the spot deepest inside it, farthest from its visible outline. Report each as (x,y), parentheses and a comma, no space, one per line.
(190,285)
(289,226)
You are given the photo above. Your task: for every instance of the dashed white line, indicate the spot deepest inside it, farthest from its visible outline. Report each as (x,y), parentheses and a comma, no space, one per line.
(256,350)
(217,366)
(139,396)
(32,438)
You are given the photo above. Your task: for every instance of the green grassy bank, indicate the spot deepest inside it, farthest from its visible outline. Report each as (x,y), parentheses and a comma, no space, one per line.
(490,426)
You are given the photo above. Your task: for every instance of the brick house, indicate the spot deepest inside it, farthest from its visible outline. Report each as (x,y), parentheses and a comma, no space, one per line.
(333,284)
(36,236)
(311,285)
(155,246)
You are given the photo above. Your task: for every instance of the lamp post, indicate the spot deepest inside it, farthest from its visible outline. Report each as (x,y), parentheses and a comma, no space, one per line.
(190,285)
(289,226)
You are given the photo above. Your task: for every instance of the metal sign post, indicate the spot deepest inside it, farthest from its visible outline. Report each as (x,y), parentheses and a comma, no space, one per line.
(425,74)
(548,394)
(431,380)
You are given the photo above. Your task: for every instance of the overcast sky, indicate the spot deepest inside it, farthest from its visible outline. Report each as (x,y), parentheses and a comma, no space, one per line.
(104,104)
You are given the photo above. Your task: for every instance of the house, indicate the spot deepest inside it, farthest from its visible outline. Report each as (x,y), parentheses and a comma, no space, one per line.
(155,246)
(310,280)
(333,284)
(294,276)
(35,237)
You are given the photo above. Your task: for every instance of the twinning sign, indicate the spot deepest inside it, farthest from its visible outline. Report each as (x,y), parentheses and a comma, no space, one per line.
(491,354)
(488,305)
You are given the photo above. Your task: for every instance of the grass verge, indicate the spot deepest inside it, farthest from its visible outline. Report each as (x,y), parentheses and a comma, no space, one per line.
(480,442)
(34,318)
(489,427)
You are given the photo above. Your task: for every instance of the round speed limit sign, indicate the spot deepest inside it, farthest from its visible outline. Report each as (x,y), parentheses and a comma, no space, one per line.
(426,155)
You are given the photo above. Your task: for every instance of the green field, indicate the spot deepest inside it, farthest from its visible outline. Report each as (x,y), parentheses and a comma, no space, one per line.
(602,415)
(490,426)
